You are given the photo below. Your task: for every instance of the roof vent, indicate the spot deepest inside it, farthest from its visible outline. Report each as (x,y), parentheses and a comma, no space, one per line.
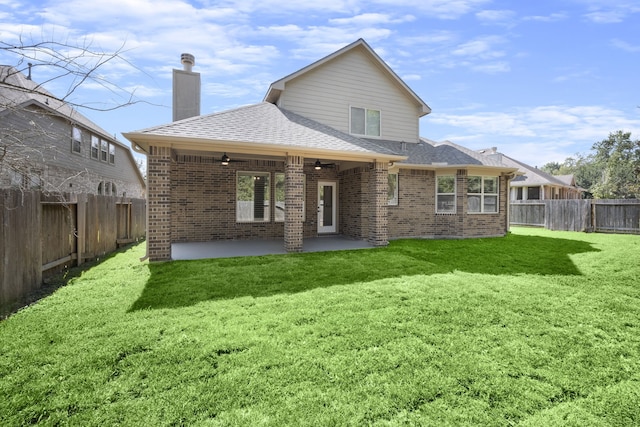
(188,61)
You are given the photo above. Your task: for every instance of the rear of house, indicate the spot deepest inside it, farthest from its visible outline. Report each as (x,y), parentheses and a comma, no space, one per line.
(334,148)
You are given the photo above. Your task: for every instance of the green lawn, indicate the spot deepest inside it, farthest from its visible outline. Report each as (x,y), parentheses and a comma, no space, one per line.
(536,329)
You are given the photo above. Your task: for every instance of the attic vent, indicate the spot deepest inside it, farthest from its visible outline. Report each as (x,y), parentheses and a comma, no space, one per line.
(188,61)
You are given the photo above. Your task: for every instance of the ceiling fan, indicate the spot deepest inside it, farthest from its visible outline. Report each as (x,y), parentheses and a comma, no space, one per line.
(225,160)
(319,165)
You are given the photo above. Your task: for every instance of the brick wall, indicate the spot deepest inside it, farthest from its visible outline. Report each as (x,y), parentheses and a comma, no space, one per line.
(203,203)
(415,215)
(354,202)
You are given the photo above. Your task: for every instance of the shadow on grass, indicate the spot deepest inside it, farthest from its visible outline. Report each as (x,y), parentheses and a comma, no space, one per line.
(184,283)
(52,281)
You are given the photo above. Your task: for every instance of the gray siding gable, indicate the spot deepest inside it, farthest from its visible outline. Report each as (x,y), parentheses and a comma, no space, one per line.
(41,124)
(352,77)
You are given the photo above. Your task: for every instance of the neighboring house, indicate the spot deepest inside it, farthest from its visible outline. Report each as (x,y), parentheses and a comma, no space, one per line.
(49,145)
(535,184)
(333,148)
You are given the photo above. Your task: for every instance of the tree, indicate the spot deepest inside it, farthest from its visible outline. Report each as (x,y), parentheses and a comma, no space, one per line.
(618,158)
(67,64)
(582,167)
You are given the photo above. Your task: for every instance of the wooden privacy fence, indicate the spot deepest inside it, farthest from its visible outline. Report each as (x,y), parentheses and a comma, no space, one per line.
(40,235)
(589,215)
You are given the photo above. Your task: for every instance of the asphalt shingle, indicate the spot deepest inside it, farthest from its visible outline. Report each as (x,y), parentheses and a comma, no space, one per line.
(265,123)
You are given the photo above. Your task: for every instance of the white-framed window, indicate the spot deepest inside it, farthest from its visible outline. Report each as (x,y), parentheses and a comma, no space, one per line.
(365,121)
(393,189)
(446,194)
(76,139)
(95,147)
(252,197)
(104,150)
(482,194)
(279,205)
(112,154)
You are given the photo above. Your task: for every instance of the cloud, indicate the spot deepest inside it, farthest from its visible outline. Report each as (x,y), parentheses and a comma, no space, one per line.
(367,19)
(603,12)
(623,45)
(553,17)
(443,9)
(606,16)
(496,16)
(557,130)
(482,48)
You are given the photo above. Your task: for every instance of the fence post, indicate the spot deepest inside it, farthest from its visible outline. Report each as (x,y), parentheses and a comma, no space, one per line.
(81,226)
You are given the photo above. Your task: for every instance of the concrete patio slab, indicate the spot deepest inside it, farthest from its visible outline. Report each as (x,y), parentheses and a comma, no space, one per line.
(238,248)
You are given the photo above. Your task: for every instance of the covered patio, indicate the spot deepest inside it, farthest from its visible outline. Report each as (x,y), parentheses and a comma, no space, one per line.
(240,248)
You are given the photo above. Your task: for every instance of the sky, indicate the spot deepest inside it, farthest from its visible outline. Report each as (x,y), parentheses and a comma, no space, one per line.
(540,80)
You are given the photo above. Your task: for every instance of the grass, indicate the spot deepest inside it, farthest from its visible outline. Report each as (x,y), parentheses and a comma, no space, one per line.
(537,328)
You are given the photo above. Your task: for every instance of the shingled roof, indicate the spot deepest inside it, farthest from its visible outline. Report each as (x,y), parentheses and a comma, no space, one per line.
(17,92)
(446,153)
(262,124)
(532,176)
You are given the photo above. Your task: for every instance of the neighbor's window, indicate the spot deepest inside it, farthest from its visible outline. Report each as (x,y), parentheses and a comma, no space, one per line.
(533,193)
(519,193)
(393,189)
(76,139)
(446,194)
(365,122)
(104,150)
(482,194)
(95,147)
(279,197)
(112,154)
(252,197)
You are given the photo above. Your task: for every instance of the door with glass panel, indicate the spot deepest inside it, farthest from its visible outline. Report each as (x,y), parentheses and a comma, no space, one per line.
(327,211)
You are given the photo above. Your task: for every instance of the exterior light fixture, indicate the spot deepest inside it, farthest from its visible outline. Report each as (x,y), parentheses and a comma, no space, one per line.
(318,165)
(225,159)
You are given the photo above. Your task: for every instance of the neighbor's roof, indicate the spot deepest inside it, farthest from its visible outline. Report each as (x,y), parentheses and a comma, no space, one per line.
(535,177)
(262,127)
(17,91)
(278,86)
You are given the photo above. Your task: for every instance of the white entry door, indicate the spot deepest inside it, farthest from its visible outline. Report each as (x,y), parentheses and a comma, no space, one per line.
(327,207)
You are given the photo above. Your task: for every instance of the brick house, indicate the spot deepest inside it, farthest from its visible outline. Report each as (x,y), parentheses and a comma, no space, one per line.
(532,183)
(334,148)
(49,145)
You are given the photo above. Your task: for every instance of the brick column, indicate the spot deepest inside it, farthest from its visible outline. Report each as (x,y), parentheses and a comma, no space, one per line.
(462,219)
(293,203)
(379,183)
(158,203)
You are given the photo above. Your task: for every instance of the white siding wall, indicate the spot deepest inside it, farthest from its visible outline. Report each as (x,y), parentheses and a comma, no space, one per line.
(326,94)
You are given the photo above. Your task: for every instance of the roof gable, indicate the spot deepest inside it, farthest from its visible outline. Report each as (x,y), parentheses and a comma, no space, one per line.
(18,92)
(277,87)
(532,176)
